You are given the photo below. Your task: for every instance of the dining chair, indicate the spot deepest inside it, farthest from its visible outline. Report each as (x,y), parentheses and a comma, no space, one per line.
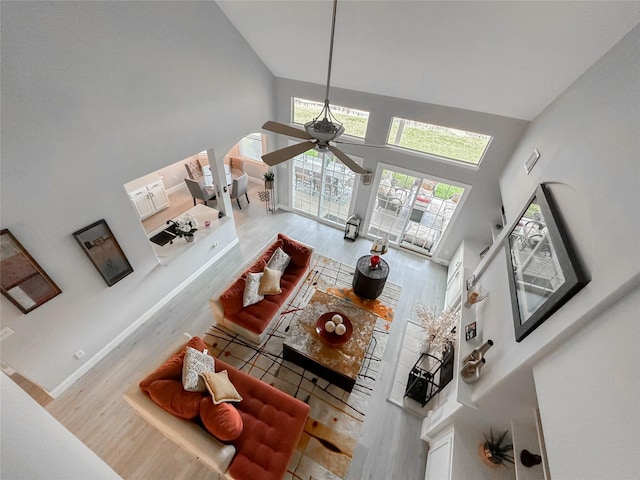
(200,192)
(194,170)
(239,188)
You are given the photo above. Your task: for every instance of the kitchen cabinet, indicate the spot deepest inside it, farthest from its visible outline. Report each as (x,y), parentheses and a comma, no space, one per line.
(148,195)
(455,276)
(440,458)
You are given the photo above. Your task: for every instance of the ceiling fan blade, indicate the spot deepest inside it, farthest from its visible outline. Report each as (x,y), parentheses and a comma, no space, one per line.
(287,153)
(347,161)
(286,130)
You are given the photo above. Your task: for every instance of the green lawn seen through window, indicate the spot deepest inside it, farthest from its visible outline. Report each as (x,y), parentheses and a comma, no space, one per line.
(468,147)
(444,142)
(354,121)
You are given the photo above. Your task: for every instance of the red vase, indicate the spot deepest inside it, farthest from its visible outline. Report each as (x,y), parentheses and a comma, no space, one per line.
(375,261)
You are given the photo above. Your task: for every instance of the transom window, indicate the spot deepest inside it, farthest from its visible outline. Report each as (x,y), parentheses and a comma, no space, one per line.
(468,147)
(354,121)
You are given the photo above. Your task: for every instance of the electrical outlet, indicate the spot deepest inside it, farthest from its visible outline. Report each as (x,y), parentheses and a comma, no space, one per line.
(5,332)
(79,354)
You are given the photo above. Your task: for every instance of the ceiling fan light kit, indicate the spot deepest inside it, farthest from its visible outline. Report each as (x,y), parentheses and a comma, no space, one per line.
(318,132)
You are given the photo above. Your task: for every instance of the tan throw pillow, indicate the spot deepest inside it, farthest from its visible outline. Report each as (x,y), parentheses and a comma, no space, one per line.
(220,387)
(252,285)
(270,283)
(279,260)
(194,364)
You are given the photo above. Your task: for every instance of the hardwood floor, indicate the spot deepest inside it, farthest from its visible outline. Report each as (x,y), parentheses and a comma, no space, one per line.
(179,202)
(94,410)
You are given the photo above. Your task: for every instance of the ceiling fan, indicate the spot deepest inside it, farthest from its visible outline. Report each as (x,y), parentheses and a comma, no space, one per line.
(318,132)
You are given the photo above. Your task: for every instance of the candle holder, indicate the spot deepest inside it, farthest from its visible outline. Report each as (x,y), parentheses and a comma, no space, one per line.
(380,247)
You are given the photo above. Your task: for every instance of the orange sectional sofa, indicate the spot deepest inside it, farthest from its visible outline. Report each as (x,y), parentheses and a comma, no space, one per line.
(254,322)
(271,421)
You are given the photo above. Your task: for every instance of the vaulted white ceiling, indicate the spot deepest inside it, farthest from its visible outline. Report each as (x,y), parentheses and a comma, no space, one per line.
(501,57)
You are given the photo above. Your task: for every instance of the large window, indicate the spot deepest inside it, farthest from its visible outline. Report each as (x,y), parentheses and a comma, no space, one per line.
(443,142)
(354,121)
(251,147)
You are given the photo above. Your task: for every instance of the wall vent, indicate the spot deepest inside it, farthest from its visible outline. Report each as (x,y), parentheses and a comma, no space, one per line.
(533,158)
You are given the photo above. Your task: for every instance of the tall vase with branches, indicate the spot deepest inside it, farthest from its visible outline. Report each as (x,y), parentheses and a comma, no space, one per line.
(440,329)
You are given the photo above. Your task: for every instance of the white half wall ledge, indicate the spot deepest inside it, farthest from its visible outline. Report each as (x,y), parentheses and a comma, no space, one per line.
(36,446)
(75,376)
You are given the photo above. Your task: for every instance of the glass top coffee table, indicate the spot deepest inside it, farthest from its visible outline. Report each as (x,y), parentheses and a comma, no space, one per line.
(338,363)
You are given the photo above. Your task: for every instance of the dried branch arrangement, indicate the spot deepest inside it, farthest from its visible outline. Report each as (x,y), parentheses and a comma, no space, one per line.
(440,330)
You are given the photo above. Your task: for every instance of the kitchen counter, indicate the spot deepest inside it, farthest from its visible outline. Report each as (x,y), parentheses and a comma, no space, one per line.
(168,252)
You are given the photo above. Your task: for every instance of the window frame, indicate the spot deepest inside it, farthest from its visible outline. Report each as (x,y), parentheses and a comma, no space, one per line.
(333,109)
(437,156)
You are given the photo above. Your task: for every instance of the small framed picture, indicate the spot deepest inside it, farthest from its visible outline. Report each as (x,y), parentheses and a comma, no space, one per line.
(470,331)
(102,248)
(22,280)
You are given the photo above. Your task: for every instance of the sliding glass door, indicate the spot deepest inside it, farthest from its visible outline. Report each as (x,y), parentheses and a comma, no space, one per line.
(412,210)
(322,186)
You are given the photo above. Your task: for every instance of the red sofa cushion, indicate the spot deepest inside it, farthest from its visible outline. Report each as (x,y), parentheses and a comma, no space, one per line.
(300,254)
(273,424)
(222,421)
(171,369)
(170,395)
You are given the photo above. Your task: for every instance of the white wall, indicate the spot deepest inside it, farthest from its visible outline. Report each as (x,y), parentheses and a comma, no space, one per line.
(36,446)
(589,143)
(589,392)
(95,94)
(482,207)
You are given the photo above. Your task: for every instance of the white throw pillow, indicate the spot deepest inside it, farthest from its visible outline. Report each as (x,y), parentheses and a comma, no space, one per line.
(252,284)
(279,260)
(194,364)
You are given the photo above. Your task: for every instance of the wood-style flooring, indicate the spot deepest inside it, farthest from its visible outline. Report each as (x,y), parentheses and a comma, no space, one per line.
(94,410)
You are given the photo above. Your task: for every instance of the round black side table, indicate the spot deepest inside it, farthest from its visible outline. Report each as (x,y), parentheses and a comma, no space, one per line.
(367,282)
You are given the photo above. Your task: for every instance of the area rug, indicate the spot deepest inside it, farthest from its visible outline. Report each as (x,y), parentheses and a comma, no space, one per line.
(327,445)
(409,354)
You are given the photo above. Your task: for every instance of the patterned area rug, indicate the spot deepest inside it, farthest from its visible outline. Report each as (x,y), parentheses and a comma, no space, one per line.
(326,448)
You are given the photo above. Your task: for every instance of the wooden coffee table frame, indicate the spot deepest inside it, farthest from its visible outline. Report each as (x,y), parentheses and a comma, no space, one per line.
(339,364)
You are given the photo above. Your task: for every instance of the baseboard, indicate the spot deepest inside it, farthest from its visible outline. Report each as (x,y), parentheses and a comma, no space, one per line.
(71,379)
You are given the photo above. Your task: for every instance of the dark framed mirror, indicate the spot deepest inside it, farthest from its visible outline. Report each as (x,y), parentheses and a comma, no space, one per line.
(22,280)
(544,270)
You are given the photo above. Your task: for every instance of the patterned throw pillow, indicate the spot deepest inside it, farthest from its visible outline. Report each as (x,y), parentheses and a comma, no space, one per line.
(195,363)
(279,260)
(252,285)
(220,387)
(270,283)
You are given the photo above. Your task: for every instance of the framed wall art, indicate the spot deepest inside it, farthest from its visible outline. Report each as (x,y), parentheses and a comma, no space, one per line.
(545,271)
(102,248)
(23,281)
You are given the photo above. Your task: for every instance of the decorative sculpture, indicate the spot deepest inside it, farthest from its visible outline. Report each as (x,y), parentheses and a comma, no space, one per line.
(472,363)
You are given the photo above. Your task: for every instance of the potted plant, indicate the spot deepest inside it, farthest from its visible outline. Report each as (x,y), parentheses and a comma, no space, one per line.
(268,180)
(186,226)
(496,452)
